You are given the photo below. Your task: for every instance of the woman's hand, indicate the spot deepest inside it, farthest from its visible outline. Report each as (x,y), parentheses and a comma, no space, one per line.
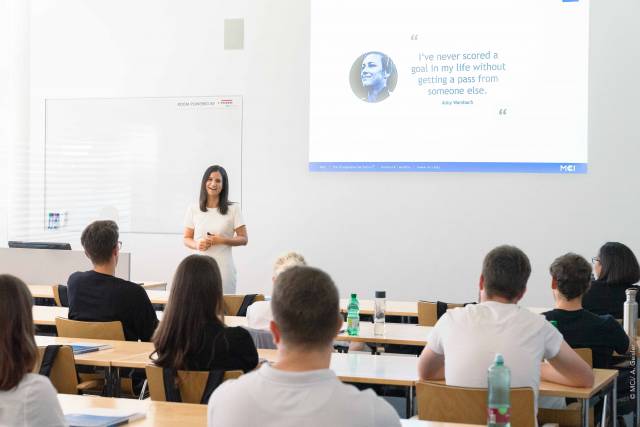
(214,239)
(203,244)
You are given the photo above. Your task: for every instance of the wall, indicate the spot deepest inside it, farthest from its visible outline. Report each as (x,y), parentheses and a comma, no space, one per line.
(415,235)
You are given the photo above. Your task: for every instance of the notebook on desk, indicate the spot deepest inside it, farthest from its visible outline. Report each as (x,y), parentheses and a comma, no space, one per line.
(87,347)
(102,417)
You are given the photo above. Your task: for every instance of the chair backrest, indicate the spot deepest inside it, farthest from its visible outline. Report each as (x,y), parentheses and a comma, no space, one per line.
(60,295)
(236,305)
(585,354)
(262,338)
(190,383)
(428,312)
(63,373)
(96,330)
(440,402)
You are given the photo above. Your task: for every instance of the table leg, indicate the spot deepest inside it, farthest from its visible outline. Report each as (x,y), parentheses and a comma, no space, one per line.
(409,402)
(605,410)
(614,402)
(585,412)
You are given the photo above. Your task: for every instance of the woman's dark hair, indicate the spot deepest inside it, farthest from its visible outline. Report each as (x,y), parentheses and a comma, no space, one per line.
(195,300)
(573,274)
(619,264)
(223,203)
(18,351)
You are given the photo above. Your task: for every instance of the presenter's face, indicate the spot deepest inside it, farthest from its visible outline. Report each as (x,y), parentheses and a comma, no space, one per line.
(371,72)
(214,184)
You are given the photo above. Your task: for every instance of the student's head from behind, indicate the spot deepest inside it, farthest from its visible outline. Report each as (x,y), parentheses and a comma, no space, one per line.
(196,298)
(18,349)
(505,271)
(616,264)
(100,242)
(570,276)
(215,185)
(285,262)
(375,70)
(306,309)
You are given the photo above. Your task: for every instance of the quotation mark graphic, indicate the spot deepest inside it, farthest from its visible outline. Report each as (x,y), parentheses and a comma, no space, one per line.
(502,111)
(414,37)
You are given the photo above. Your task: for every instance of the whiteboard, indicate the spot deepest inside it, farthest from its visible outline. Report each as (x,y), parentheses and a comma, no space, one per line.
(138,161)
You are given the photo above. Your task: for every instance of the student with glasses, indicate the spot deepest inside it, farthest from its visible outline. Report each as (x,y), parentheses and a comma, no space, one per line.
(615,269)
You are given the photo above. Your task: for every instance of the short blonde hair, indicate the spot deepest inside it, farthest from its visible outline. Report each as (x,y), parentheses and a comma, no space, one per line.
(286,261)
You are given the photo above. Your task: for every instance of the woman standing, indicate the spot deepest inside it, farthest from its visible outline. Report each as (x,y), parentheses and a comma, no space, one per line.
(215,224)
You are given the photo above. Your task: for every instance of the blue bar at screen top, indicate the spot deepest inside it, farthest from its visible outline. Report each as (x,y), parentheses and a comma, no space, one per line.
(561,168)
(570,1)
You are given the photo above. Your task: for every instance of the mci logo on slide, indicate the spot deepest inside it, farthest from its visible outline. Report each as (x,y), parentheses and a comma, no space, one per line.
(568,168)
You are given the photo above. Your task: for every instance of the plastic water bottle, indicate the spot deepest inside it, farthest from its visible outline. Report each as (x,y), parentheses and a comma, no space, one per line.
(379,313)
(353,316)
(499,381)
(630,313)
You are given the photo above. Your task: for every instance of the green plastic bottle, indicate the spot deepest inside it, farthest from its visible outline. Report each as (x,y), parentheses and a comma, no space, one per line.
(353,316)
(499,382)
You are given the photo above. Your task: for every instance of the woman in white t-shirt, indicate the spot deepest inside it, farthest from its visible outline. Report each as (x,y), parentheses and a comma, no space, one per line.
(26,399)
(214,225)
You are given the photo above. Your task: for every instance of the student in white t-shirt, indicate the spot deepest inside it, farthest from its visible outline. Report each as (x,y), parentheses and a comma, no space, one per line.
(465,340)
(26,399)
(259,313)
(299,389)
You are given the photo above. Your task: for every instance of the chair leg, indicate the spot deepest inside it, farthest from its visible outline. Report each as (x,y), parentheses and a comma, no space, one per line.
(144,389)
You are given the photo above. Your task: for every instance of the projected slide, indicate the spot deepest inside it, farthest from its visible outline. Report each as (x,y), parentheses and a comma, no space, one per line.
(450,86)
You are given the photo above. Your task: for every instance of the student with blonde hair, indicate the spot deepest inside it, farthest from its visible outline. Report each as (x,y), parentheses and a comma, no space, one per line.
(259,313)
(26,399)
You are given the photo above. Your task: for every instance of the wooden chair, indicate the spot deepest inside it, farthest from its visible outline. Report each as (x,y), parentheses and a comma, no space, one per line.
(60,295)
(428,312)
(63,373)
(190,383)
(236,305)
(94,330)
(440,402)
(571,416)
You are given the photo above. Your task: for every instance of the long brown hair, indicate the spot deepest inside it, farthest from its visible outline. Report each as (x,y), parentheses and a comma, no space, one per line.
(18,349)
(196,299)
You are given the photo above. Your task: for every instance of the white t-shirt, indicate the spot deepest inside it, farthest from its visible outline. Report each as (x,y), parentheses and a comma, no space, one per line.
(34,402)
(469,337)
(259,315)
(271,397)
(222,225)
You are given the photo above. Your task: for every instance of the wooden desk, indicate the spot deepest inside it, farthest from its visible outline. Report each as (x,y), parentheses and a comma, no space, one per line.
(46,314)
(156,296)
(158,414)
(394,333)
(393,308)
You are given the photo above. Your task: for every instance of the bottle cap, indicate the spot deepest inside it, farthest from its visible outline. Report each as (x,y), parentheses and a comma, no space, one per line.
(499,359)
(354,295)
(381,294)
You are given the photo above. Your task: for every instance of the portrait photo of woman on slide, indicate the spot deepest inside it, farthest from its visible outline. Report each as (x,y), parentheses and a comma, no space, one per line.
(373,76)
(215,224)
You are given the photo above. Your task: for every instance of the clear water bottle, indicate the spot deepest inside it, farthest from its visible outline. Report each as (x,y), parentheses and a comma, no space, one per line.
(353,316)
(379,313)
(499,382)
(630,313)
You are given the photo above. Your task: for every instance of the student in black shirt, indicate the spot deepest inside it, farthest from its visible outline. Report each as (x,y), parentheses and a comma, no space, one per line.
(99,296)
(570,276)
(615,269)
(192,335)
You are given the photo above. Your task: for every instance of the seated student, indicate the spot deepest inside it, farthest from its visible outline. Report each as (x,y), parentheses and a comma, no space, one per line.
(570,276)
(465,340)
(26,399)
(98,296)
(192,335)
(259,313)
(615,270)
(299,389)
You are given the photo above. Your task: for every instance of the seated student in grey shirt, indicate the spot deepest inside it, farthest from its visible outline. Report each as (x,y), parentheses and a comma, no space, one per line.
(299,389)
(98,296)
